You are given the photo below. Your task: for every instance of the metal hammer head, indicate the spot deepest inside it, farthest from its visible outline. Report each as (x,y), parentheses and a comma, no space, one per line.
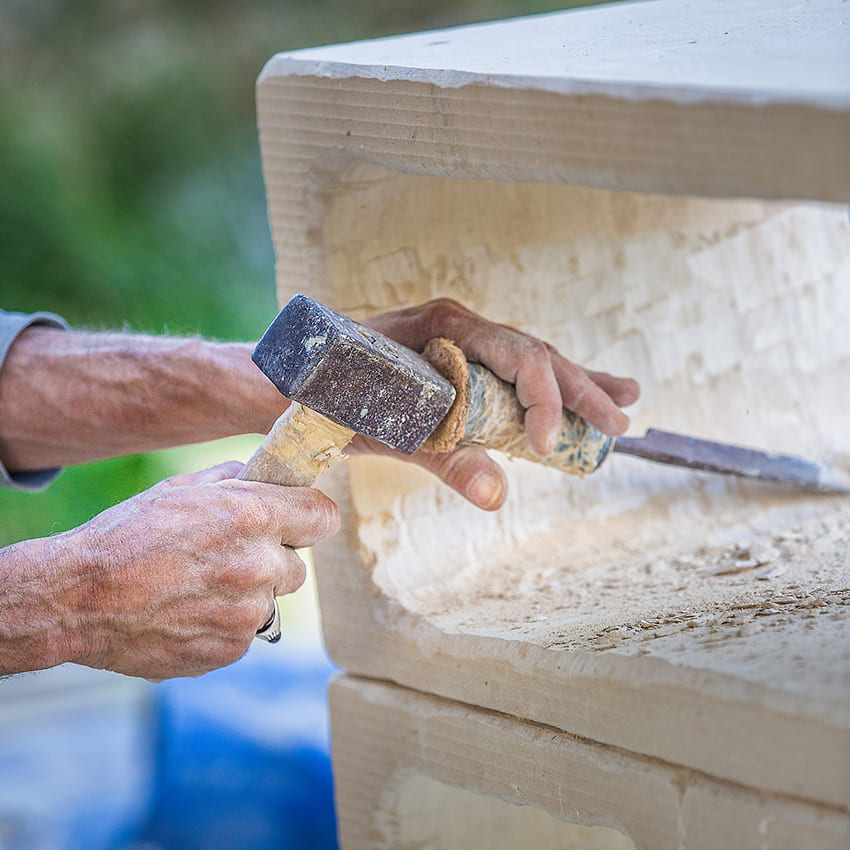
(353,375)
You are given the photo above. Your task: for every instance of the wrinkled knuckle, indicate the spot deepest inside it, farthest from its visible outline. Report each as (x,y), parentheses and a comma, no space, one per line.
(324,515)
(449,464)
(453,468)
(579,387)
(251,514)
(244,574)
(445,306)
(536,350)
(267,569)
(574,372)
(230,469)
(295,574)
(262,567)
(441,312)
(331,518)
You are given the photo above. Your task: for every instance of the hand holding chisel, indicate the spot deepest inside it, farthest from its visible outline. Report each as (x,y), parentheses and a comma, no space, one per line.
(345,378)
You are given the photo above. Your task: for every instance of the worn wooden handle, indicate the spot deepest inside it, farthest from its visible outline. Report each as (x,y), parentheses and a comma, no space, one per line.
(300,445)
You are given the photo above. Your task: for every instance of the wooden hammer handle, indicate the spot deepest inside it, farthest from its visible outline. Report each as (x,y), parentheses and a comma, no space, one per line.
(300,445)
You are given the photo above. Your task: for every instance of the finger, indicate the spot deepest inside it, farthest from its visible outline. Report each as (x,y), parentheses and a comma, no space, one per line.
(469,471)
(589,400)
(527,363)
(221,472)
(623,391)
(538,392)
(294,516)
(292,574)
(283,572)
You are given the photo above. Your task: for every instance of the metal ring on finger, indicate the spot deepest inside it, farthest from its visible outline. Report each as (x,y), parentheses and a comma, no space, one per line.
(270,631)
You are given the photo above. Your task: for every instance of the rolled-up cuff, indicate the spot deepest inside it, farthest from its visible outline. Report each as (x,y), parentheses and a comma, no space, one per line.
(11,326)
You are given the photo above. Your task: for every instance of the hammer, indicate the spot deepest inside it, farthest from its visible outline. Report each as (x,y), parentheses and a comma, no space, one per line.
(344,379)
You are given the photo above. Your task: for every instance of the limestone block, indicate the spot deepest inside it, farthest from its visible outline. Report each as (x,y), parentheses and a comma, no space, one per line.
(625,182)
(412,769)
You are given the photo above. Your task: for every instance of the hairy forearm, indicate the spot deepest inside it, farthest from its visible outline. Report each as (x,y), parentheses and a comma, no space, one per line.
(38,604)
(73,396)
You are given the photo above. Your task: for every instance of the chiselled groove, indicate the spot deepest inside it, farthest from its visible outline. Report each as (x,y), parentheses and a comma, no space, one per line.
(478,144)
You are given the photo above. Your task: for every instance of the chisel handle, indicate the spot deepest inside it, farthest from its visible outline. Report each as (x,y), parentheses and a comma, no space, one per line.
(301,445)
(496,420)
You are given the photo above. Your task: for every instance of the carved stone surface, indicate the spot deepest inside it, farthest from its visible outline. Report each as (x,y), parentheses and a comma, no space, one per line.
(672,615)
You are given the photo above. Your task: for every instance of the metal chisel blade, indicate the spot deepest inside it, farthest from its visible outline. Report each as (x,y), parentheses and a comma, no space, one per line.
(680,450)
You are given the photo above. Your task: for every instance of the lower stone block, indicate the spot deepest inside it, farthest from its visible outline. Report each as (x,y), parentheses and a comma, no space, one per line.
(414,770)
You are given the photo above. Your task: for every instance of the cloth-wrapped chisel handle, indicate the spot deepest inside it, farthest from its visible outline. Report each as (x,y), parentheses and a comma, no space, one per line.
(488,413)
(496,420)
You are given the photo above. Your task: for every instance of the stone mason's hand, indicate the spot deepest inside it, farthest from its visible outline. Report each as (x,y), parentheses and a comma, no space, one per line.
(545,383)
(177,580)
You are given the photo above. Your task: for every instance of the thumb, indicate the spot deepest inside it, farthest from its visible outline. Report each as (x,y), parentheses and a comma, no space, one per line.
(471,472)
(220,472)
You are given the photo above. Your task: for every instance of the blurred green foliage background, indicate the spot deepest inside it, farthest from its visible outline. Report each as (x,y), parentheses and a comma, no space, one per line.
(131,193)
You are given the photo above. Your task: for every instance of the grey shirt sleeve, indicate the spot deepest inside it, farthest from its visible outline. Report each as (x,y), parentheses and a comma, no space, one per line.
(11,325)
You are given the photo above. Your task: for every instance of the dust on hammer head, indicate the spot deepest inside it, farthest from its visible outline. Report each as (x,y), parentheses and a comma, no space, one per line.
(353,375)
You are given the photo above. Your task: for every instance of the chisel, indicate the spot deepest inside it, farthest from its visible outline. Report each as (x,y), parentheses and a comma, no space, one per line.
(495,419)
(727,459)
